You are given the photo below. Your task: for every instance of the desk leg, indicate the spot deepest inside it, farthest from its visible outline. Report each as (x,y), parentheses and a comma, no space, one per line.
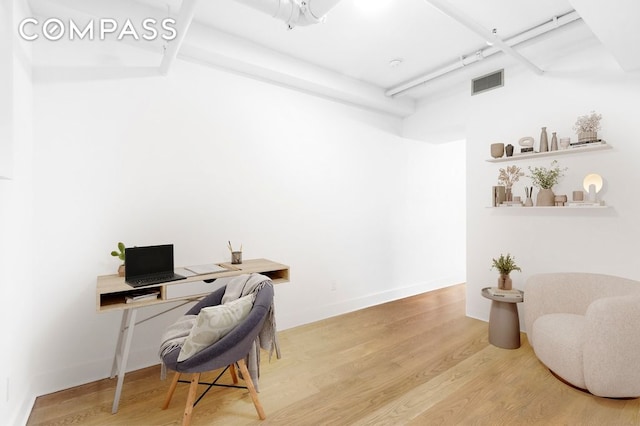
(118,352)
(122,352)
(504,325)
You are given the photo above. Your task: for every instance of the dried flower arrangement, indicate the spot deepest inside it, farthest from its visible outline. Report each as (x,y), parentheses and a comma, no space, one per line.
(509,176)
(588,123)
(544,178)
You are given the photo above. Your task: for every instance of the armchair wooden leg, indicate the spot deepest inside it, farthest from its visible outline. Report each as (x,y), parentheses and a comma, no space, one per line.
(172,388)
(234,376)
(252,390)
(191,398)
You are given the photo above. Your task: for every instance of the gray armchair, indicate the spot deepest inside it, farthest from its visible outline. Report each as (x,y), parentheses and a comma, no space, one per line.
(232,349)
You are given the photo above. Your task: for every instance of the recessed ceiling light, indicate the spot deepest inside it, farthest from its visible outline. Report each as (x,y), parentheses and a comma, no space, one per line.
(395,62)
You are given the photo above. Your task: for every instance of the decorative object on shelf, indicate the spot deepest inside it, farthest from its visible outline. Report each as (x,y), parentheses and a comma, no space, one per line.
(497,150)
(544,142)
(545,197)
(595,142)
(587,127)
(498,195)
(504,265)
(526,144)
(560,200)
(529,192)
(509,150)
(508,177)
(544,179)
(578,196)
(120,255)
(564,143)
(554,142)
(592,183)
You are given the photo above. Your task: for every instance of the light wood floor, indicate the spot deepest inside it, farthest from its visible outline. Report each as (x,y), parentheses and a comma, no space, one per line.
(416,361)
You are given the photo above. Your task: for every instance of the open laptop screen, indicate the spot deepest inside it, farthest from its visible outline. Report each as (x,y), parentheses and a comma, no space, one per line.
(148,260)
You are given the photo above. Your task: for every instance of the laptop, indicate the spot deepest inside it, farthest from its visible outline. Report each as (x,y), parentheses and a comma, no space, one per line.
(149,265)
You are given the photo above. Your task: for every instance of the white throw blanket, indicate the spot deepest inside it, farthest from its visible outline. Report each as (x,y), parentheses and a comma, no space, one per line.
(267,339)
(174,336)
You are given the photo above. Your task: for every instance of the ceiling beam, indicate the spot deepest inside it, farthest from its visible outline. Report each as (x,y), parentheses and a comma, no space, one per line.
(213,48)
(553,24)
(488,36)
(185,18)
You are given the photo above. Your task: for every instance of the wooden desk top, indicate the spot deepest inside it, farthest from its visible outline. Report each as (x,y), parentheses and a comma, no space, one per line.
(111,290)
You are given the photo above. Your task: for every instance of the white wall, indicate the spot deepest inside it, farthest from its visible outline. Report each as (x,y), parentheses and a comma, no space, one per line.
(603,241)
(6,79)
(576,81)
(202,157)
(16,222)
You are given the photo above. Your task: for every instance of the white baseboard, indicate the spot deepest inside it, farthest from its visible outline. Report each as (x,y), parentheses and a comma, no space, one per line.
(316,313)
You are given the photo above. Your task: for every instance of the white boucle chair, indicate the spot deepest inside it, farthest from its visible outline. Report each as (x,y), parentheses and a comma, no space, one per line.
(586,329)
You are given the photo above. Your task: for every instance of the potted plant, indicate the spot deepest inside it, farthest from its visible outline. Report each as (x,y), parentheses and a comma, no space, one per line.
(544,179)
(504,265)
(120,255)
(587,127)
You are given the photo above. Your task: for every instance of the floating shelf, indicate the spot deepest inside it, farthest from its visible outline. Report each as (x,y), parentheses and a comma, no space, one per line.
(550,207)
(575,150)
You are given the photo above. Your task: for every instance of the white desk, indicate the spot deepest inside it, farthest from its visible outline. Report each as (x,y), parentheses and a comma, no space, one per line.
(112,292)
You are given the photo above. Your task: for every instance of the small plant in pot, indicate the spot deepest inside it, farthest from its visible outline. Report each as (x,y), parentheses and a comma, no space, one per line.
(504,265)
(544,179)
(120,255)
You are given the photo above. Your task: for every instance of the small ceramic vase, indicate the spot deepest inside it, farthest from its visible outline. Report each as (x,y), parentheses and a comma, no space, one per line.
(509,150)
(554,142)
(587,136)
(545,198)
(544,141)
(497,150)
(505,282)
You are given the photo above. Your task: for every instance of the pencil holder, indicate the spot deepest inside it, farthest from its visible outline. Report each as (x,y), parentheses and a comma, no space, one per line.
(236,257)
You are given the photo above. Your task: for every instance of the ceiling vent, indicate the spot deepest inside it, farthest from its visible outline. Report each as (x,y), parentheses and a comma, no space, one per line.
(487,82)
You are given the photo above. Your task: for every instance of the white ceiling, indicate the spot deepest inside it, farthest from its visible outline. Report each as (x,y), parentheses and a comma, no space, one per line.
(357,45)
(361,45)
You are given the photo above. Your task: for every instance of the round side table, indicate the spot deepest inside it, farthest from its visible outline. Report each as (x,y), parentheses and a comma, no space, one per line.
(504,323)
